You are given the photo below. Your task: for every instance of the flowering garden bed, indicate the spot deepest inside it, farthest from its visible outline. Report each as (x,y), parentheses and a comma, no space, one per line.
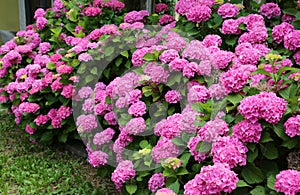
(204,104)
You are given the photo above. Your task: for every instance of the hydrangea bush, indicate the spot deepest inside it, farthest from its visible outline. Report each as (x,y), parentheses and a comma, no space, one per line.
(214,114)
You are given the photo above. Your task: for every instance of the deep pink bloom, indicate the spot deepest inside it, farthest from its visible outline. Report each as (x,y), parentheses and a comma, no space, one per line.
(156,181)
(270,10)
(228,10)
(288,182)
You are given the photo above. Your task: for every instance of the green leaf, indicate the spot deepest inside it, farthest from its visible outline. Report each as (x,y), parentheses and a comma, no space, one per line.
(269,151)
(290,11)
(56,31)
(108,51)
(149,57)
(118,62)
(178,141)
(147,91)
(265,137)
(242,183)
(251,156)
(125,54)
(75,63)
(291,143)
(204,146)
(106,73)
(175,186)
(252,174)
(131,188)
(285,68)
(182,171)
(234,99)
(63,138)
(185,159)
(94,71)
(231,41)
(279,130)
(144,144)
(51,66)
(73,15)
(258,190)
(47,136)
(261,71)
(271,182)
(89,78)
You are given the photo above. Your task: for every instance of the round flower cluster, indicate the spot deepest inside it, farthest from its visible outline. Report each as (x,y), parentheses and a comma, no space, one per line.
(122,173)
(103,137)
(270,10)
(164,149)
(135,126)
(228,10)
(292,40)
(292,126)
(281,30)
(212,180)
(199,13)
(173,96)
(265,105)
(161,7)
(86,123)
(166,19)
(288,182)
(198,93)
(156,181)
(247,131)
(169,128)
(229,150)
(97,158)
(135,16)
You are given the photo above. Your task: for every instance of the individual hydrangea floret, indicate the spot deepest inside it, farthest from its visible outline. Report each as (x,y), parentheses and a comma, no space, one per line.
(288,182)
(292,126)
(156,181)
(228,10)
(212,179)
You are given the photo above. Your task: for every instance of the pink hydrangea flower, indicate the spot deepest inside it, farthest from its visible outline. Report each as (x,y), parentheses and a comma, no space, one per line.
(168,56)
(281,30)
(166,19)
(92,11)
(247,131)
(165,191)
(198,93)
(157,73)
(135,16)
(164,149)
(103,137)
(29,130)
(84,57)
(169,128)
(156,181)
(137,56)
(292,40)
(265,105)
(212,40)
(212,180)
(68,91)
(41,23)
(230,26)
(28,107)
(296,57)
(135,126)
(173,96)
(228,10)
(122,173)
(85,92)
(270,10)
(86,123)
(213,129)
(97,158)
(292,126)
(229,150)
(41,120)
(137,109)
(110,118)
(288,182)
(199,13)
(161,7)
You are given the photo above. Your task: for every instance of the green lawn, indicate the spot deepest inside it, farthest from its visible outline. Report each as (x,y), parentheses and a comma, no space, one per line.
(30,168)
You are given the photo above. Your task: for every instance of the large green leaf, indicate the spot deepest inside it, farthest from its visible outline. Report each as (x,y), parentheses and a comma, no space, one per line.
(252,174)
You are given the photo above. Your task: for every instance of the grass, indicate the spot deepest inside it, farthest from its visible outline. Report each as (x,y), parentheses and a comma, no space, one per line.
(31,168)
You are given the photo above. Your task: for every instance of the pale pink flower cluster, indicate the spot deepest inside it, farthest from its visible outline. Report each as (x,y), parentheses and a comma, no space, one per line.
(165,191)
(103,137)
(164,149)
